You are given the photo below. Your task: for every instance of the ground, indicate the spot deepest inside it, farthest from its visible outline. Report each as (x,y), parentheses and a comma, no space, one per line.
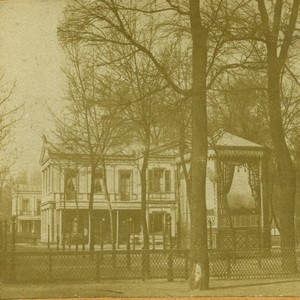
(154,288)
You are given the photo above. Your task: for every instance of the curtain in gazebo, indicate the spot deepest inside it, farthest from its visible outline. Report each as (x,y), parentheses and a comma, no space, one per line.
(254,182)
(227,178)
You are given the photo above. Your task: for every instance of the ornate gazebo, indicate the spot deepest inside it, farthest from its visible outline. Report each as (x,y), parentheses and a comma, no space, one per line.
(237,195)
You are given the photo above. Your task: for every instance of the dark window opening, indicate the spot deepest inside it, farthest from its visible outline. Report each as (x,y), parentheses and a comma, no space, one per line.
(159,181)
(70,184)
(125,177)
(98,182)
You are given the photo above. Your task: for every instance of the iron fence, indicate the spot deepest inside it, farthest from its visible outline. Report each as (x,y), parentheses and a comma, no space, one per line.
(134,264)
(168,263)
(95,265)
(254,263)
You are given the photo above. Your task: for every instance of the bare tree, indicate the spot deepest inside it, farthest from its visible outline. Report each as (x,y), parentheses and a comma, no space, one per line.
(278,29)
(141,104)
(90,127)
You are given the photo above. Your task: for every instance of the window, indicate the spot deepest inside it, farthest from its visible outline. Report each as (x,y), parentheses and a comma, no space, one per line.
(159,181)
(157,222)
(70,184)
(98,181)
(125,185)
(25,205)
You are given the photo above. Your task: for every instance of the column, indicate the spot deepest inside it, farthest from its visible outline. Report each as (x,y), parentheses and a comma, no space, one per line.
(117,229)
(60,226)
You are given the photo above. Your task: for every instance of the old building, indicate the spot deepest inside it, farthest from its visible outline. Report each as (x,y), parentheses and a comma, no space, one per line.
(26,207)
(237,197)
(66,191)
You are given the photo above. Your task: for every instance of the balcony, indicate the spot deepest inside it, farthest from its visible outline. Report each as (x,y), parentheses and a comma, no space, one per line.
(29,213)
(125,197)
(161,196)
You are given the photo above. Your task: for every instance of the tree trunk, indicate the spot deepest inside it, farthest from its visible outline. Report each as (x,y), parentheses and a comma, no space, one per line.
(110,210)
(199,253)
(186,178)
(143,206)
(91,205)
(145,254)
(285,167)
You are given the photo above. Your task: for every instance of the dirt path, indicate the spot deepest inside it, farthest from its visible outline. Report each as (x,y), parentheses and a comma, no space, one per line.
(155,288)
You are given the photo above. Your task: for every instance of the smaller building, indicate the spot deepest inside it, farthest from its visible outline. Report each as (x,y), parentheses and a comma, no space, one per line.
(26,208)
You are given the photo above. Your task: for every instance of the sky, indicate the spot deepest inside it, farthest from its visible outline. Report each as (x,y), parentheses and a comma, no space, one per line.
(31,57)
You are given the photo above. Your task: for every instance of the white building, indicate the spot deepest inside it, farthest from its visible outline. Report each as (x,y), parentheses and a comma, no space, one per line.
(26,207)
(236,193)
(66,190)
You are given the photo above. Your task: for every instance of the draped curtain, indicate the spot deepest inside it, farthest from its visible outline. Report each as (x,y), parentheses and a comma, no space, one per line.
(227,178)
(254,182)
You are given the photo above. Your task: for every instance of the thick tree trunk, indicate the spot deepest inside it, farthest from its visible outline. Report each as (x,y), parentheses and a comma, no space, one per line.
(285,167)
(199,253)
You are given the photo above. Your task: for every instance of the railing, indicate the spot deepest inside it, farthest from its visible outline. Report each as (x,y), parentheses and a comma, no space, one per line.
(239,220)
(94,265)
(161,196)
(29,213)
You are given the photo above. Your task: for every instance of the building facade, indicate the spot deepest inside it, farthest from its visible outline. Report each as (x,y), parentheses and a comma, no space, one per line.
(236,195)
(66,192)
(26,208)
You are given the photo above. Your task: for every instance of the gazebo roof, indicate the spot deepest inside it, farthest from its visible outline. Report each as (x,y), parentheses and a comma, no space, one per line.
(229,140)
(231,145)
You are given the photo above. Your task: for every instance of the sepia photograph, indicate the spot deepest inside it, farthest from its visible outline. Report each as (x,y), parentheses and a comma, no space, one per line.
(149,148)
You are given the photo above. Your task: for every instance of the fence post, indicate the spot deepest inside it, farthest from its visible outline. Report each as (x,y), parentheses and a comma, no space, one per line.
(76,222)
(144,264)
(114,258)
(186,264)
(1,235)
(5,236)
(98,266)
(1,249)
(128,249)
(170,265)
(164,239)
(228,268)
(259,243)
(170,255)
(50,265)
(57,238)
(4,266)
(153,235)
(13,249)
(5,256)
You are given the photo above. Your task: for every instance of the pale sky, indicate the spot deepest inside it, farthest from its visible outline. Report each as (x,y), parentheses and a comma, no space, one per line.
(30,54)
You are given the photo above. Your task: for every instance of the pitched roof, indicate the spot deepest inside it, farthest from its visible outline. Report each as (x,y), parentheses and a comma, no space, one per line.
(229,140)
(227,143)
